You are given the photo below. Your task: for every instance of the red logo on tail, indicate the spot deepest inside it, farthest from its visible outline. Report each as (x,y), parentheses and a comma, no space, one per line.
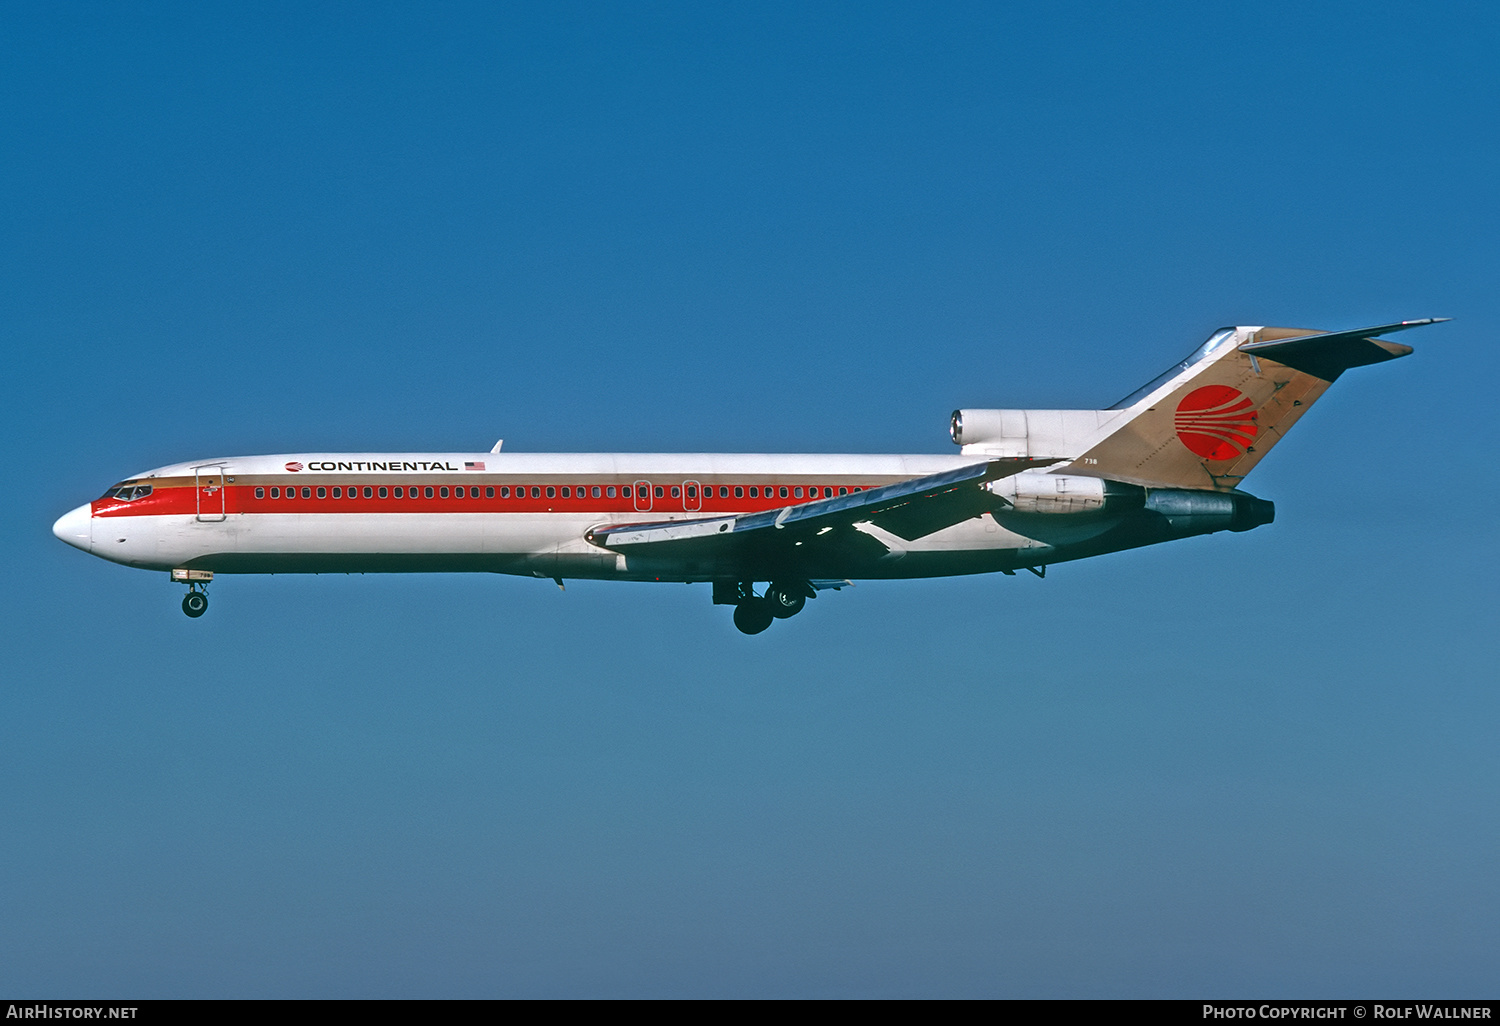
(1216,422)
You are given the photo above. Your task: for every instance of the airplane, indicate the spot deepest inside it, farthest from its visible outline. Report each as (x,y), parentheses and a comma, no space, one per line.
(1029,488)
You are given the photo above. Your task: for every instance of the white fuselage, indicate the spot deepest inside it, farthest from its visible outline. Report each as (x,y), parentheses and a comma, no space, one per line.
(519,513)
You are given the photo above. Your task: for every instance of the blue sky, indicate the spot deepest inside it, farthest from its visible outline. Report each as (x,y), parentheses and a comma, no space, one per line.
(1243,764)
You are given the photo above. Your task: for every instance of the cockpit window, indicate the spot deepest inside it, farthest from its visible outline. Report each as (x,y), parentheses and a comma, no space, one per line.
(128,492)
(1196,356)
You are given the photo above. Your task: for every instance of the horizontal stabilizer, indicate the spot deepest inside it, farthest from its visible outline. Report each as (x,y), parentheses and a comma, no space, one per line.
(1329,354)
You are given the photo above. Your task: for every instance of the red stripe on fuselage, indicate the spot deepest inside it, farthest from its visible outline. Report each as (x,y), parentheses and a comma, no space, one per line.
(240,499)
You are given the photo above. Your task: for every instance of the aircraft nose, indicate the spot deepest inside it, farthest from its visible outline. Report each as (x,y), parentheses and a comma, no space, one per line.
(76,527)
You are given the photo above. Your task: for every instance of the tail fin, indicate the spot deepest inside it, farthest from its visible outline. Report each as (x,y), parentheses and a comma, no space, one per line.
(1208,421)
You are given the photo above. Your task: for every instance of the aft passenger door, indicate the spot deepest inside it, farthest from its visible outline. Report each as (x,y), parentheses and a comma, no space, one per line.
(642,496)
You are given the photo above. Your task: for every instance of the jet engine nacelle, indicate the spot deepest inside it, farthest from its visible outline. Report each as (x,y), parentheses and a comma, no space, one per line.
(1039,434)
(1195,512)
(1036,491)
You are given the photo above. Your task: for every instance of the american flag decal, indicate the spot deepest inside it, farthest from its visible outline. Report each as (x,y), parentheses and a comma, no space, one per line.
(473,466)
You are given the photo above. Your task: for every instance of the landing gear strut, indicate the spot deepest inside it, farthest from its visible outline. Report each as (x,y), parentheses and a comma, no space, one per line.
(195,602)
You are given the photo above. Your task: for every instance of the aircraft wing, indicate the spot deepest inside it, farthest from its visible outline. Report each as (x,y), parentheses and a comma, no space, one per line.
(906,510)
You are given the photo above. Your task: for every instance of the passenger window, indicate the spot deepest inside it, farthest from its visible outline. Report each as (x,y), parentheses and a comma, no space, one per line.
(260,493)
(536,492)
(783,491)
(609,491)
(676,491)
(567,493)
(395,492)
(489,493)
(796,492)
(658,491)
(338,493)
(739,491)
(382,492)
(843,491)
(427,491)
(625,491)
(322,492)
(551,492)
(692,493)
(275,493)
(443,492)
(307,493)
(754,491)
(505,492)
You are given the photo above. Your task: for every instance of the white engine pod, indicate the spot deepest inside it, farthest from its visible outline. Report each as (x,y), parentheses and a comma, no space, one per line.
(968,427)
(1036,491)
(1040,434)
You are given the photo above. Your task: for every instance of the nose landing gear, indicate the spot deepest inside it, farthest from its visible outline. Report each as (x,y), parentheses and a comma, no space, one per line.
(195,602)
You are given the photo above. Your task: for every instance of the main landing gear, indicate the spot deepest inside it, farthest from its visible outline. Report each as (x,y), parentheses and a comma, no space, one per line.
(753,613)
(195,602)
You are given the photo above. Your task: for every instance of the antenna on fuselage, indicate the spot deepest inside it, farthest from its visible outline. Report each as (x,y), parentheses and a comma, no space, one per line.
(498,445)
